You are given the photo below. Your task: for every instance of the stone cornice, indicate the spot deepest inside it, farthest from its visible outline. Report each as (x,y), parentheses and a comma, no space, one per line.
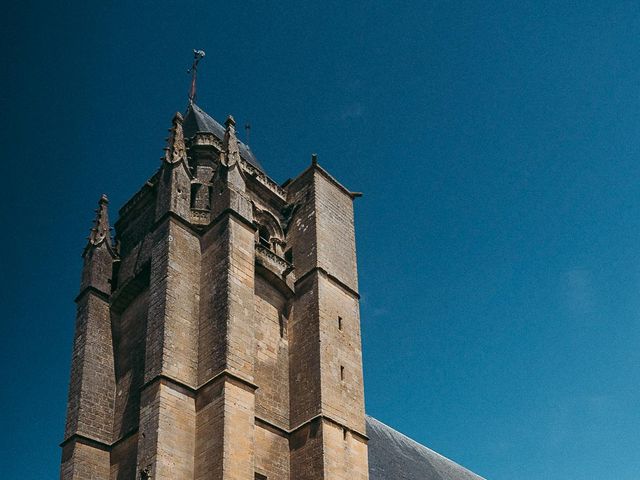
(266,424)
(97,292)
(329,419)
(191,390)
(175,217)
(285,432)
(229,376)
(232,213)
(315,167)
(272,427)
(335,280)
(206,140)
(264,179)
(148,185)
(86,440)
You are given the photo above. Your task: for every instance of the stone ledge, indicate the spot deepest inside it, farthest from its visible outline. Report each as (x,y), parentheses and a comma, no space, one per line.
(335,280)
(86,440)
(273,261)
(97,292)
(262,178)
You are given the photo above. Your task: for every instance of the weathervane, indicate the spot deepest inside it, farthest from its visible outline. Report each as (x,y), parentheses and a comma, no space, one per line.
(197,55)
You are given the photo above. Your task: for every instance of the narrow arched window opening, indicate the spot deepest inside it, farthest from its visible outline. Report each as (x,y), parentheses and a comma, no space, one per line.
(264,236)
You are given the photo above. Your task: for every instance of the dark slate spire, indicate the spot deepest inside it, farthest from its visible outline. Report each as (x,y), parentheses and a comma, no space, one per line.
(197,120)
(101,231)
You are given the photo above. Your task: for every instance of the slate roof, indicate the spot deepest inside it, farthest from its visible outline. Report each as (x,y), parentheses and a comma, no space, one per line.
(197,120)
(394,456)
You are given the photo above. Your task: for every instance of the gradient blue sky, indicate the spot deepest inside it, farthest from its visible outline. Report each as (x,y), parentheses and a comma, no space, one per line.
(497,146)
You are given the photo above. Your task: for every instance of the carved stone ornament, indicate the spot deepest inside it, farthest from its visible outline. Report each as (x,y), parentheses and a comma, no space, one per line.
(230,148)
(176,149)
(101,231)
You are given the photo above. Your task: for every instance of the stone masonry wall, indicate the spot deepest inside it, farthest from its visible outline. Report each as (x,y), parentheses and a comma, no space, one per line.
(213,298)
(84,462)
(272,354)
(166,440)
(345,454)
(307,454)
(239,432)
(301,236)
(137,222)
(272,454)
(123,458)
(341,355)
(129,341)
(335,231)
(240,309)
(172,328)
(209,431)
(91,391)
(304,356)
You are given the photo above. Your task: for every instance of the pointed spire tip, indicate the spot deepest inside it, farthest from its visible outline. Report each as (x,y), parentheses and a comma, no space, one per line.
(230,147)
(176,148)
(101,230)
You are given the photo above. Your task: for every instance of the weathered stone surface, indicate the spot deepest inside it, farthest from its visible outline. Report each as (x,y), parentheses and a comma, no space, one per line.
(90,408)
(166,439)
(272,354)
(81,461)
(272,454)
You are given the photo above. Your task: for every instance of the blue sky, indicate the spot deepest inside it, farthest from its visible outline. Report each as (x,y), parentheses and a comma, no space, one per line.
(497,146)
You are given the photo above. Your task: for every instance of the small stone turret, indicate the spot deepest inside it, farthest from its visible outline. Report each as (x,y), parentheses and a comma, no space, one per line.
(99,254)
(174,187)
(88,431)
(229,184)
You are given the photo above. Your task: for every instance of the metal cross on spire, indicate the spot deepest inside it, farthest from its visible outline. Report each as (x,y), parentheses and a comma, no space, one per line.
(197,55)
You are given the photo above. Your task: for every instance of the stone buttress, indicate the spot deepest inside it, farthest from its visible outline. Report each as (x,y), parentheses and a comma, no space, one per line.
(88,431)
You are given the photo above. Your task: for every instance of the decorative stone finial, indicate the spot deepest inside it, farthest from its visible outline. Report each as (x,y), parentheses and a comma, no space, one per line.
(230,147)
(101,231)
(314,159)
(176,149)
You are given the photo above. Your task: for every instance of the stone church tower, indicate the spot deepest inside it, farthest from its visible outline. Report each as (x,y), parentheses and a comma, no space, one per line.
(218,336)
